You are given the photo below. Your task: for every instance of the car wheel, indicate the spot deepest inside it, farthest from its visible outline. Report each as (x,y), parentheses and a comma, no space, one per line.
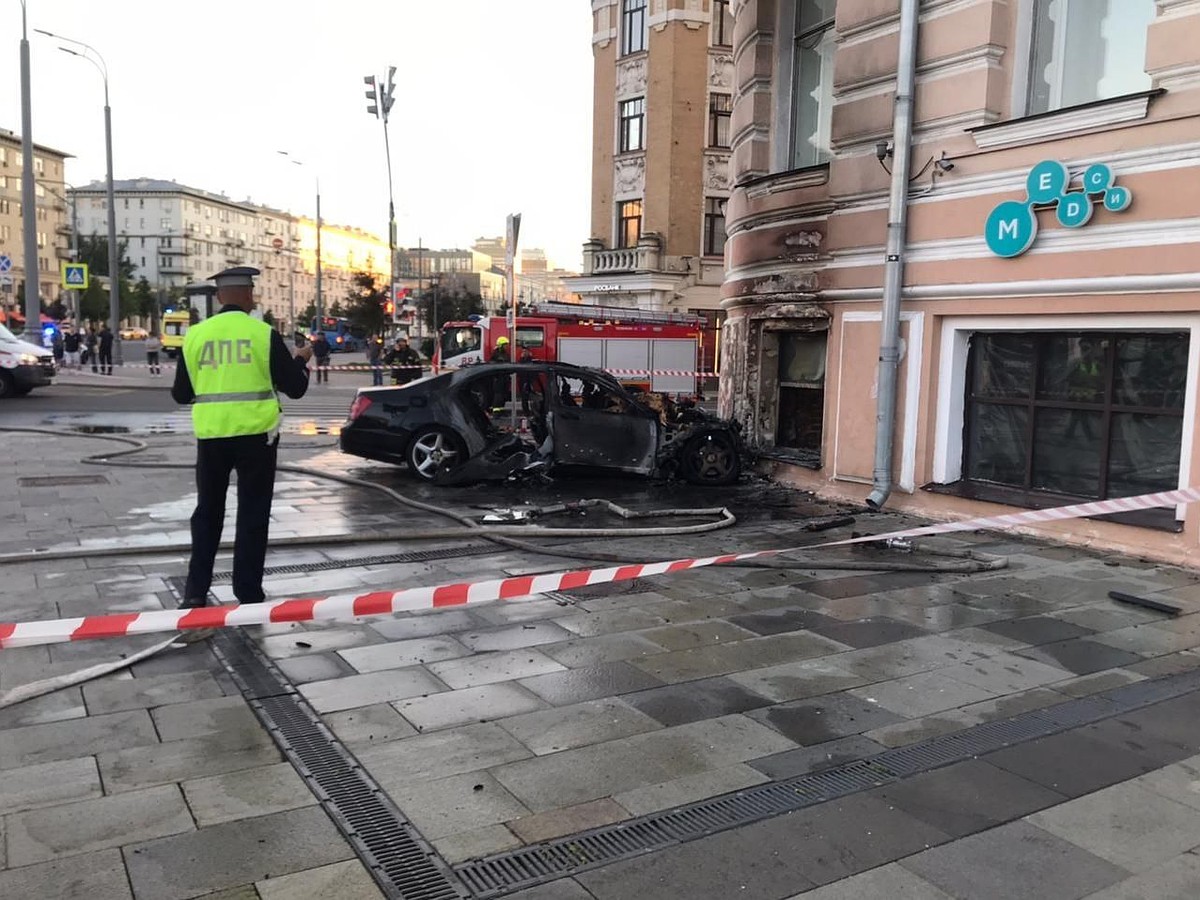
(433,450)
(710,458)
(8,387)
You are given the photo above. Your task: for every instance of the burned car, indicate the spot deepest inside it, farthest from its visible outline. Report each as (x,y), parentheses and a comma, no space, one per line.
(456,427)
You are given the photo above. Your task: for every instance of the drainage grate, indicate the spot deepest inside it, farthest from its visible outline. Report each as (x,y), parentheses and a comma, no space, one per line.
(615,589)
(413,556)
(402,863)
(517,869)
(60,480)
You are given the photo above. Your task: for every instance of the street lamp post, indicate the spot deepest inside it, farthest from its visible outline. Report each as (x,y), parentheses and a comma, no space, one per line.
(114,262)
(33,308)
(320,303)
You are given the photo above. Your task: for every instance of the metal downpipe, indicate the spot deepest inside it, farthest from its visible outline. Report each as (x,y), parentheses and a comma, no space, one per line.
(893,282)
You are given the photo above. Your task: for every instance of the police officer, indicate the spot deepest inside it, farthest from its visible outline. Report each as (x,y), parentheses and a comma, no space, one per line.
(230,369)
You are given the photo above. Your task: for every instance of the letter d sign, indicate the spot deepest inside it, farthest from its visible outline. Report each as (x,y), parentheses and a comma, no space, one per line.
(1074,210)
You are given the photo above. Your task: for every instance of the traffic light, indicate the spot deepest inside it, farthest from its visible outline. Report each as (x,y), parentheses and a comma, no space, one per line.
(372,95)
(391,89)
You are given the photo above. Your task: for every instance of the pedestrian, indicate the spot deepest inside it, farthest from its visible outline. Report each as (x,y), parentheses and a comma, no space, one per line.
(230,370)
(153,346)
(105,342)
(375,359)
(71,345)
(321,350)
(526,380)
(89,345)
(405,363)
(56,347)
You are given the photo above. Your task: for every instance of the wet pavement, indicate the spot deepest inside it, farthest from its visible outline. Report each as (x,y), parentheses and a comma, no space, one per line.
(502,725)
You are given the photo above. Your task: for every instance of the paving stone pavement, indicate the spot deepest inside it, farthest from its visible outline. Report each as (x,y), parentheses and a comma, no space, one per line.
(502,725)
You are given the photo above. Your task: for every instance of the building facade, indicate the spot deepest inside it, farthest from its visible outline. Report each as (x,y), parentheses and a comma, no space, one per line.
(53,221)
(1050,311)
(661,143)
(176,235)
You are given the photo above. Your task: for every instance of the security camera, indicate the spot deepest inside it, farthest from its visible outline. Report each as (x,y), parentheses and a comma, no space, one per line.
(943,164)
(883,149)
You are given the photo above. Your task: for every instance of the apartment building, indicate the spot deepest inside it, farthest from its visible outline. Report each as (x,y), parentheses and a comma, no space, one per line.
(177,234)
(661,144)
(53,222)
(1050,311)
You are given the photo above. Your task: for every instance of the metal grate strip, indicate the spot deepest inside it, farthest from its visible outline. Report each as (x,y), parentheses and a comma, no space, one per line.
(413,556)
(514,870)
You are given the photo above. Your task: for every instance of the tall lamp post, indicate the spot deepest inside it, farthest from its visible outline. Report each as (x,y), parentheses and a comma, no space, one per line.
(92,55)
(33,308)
(317,178)
(379,104)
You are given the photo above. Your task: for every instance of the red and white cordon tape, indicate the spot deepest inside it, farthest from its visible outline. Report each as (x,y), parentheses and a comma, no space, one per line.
(379,603)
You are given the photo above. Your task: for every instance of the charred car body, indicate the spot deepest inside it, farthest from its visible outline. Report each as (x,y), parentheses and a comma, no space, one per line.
(449,428)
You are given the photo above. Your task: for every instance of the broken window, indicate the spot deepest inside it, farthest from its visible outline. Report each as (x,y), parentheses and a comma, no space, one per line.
(802,393)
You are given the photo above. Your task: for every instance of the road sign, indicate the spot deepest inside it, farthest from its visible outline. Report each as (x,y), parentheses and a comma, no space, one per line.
(74,276)
(5,262)
(277,243)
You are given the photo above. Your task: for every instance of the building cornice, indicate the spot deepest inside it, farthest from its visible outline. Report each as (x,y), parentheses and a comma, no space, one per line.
(1063,122)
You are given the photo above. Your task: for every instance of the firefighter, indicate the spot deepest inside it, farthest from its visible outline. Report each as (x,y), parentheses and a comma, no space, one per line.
(230,369)
(500,354)
(405,363)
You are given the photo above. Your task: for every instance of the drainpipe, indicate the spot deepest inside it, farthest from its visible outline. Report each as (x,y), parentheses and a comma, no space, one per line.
(893,279)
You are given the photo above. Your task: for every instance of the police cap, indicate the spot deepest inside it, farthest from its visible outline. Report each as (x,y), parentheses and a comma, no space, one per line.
(238,276)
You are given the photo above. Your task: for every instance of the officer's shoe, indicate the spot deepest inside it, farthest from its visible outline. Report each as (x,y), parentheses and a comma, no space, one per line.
(193,602)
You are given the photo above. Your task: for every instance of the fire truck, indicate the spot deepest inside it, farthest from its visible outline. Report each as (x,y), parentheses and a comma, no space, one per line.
(656,351)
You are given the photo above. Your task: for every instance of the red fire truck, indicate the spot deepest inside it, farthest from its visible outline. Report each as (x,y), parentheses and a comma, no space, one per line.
(654,350)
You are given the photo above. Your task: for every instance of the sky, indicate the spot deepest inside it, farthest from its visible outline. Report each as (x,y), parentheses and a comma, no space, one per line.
(492,109)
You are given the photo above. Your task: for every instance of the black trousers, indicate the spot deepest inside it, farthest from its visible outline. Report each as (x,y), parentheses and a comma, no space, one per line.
(152,362)
(105,362)
(254,461)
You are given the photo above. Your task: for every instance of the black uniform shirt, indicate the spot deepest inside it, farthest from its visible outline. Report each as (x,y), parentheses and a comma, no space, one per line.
(289,374)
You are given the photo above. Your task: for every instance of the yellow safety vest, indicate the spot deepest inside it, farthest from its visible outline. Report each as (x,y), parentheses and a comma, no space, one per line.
(229,360)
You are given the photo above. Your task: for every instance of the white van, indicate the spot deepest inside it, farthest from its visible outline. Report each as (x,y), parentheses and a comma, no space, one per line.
(23,366)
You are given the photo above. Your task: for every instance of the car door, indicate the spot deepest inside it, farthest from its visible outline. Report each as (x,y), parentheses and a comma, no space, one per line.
(596,424)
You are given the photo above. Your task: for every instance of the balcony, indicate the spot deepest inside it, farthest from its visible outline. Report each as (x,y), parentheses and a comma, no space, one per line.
(645,257)
(62,229)
(173,251)
(176,267)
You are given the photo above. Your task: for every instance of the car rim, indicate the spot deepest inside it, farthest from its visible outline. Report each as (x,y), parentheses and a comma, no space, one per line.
(713,460)
(431,451)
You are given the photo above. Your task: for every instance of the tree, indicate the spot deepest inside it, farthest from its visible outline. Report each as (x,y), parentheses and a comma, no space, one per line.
(335,309)
(306,316)
(452,306)
(366,303)
(94,302)
(93,250)
(141,299)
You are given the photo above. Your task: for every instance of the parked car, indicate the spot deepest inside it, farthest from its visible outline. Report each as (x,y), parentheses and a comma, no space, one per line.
(451,427)
(134,334)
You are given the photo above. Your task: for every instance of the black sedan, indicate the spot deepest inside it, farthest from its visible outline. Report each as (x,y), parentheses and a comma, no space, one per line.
(457,425)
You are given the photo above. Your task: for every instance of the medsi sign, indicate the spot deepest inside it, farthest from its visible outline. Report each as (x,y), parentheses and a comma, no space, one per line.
(1012,226)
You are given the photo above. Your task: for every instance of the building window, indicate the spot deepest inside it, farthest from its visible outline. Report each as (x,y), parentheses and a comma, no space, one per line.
(1085,50)
(633,26)
(39,191)
(812,82)
(720,106)
(714,226)
(629,223)
(1076,414)
(802,393)
(39,165)
(3,156)
(41,239)
(632,122)
(722,35)
(5,207)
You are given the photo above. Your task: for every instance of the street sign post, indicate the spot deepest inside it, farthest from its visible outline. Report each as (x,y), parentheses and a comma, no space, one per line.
(74,276)
(5,263)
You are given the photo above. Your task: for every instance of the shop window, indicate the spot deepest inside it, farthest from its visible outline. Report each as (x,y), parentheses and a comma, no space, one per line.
(1085,50)
(629,223)
(802,393)
(812,82)
(1076,415)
